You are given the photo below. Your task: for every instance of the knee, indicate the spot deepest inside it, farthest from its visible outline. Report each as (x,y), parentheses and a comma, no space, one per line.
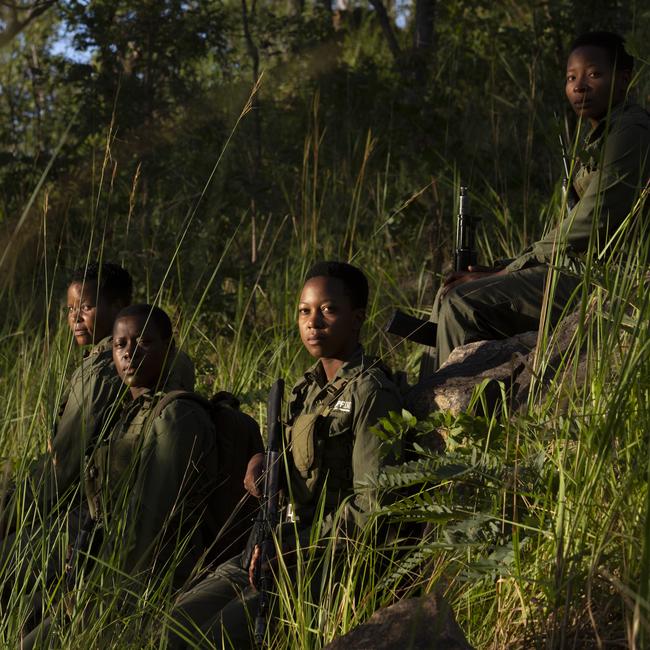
(452,306)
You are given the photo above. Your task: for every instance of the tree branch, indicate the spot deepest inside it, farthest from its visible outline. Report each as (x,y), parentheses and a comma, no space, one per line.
(387,28)
(14,23)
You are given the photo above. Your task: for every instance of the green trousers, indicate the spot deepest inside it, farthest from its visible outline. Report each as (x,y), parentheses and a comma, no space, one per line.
(496,307)
(218,612)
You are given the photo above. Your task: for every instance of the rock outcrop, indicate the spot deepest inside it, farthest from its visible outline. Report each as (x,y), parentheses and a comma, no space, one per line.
(451,387)
(508,362)
(426,623)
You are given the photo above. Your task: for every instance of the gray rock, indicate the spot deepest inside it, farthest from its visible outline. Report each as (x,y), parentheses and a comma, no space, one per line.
(509,361)
(567,375)
(426,623)
(451,387)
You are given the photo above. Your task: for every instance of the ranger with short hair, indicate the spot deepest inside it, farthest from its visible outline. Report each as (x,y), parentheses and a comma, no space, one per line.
(154,483)
(612,172)
(96,293)
(330,450)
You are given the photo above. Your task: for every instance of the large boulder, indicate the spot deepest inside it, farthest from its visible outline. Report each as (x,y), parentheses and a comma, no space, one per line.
(451,387)
(425,623)
(567,372)
(509,362)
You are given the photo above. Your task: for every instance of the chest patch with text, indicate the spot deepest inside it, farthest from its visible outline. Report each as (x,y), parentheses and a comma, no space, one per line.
(343,406)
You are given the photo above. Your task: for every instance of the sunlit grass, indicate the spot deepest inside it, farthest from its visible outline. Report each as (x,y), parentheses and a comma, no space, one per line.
(538,520)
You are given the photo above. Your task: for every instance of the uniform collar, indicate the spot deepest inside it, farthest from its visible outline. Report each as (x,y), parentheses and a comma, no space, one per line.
(105,344)
(144,401)
(597,132)
(316,374)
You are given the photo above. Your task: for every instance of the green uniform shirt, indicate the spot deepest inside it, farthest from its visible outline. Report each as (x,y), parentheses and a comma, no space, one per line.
(158,471)
(93,388)
(613,170)
(344,450)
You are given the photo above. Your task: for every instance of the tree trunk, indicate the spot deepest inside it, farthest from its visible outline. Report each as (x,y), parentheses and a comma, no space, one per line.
(423,35)
(387,28)
(424,39)
(257,124)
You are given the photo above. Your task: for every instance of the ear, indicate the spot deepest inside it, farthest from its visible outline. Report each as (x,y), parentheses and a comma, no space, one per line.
(623,80)
(358,318)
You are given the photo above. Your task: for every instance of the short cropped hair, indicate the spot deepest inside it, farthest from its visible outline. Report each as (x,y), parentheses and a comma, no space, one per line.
(353,279)
(151,314)
(113,282)
(613,44)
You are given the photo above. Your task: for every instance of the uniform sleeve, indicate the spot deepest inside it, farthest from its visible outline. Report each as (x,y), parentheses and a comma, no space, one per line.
(373,404)
(93,387)
(174,450)
(608,197)
(181,373)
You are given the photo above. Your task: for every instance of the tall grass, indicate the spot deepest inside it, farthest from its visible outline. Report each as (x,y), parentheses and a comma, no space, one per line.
(537,521)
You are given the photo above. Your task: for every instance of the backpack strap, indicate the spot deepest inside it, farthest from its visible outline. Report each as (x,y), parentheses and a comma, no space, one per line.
(218,400)
(173,395)
(334,391)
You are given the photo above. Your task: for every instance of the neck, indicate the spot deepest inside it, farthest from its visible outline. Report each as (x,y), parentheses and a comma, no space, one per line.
(331,367)
(137,391)
(595,122)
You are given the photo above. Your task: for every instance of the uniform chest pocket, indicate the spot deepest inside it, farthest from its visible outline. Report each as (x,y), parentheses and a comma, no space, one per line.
(338,424)
(111,465)
(302,435)
(312,437)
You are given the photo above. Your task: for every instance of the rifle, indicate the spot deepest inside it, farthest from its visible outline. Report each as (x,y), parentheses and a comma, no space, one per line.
(424,331)
(81,547)
(465,254)
(569,194)
(269,514)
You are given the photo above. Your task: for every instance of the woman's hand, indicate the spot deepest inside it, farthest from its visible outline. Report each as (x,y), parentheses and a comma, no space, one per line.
(473,273)
(252,567)
(254,473)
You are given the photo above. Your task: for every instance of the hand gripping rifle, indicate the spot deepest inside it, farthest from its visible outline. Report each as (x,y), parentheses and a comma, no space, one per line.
(424,331)
(269,514)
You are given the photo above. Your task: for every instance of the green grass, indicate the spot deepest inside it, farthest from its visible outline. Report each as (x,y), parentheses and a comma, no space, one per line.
(539,521)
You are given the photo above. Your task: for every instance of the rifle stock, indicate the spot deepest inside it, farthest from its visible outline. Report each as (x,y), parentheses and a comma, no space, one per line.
(269,515)
(412,328)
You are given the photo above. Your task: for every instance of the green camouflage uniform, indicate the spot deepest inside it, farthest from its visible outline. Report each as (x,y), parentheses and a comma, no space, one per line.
(150,485)
(94,390)
(341,452)
(613,170)
(160,471)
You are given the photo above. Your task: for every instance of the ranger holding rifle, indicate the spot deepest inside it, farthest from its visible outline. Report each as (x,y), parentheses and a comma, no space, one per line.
(328,451)
(477,303)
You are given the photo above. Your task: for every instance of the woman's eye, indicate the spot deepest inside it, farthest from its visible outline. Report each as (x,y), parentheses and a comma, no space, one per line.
(87,308)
